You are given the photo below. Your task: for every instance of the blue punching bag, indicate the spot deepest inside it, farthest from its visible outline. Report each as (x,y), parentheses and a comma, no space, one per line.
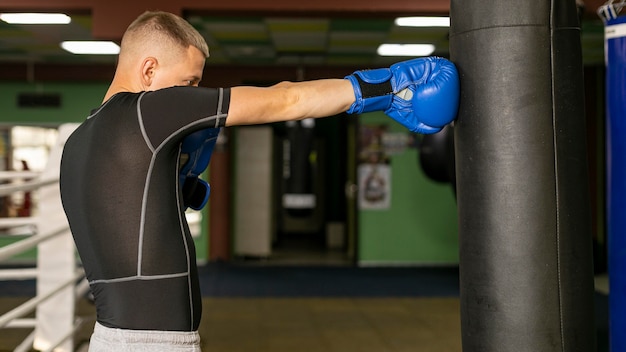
(525,261)
(615,44)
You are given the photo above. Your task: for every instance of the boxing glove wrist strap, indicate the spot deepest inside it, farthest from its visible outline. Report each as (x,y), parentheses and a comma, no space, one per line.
(372,90)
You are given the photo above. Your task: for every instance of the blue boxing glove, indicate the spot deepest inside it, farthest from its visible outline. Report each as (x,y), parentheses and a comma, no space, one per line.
(421,94)
(198,148)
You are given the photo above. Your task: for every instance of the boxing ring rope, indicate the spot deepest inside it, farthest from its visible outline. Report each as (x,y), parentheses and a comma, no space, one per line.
(59,278)
(16,248)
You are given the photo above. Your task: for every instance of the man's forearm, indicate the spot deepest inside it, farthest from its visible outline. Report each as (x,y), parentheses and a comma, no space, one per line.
(289,101)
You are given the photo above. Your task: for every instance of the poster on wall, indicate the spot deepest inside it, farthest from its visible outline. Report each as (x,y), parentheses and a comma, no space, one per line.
(374,186)
(374,170)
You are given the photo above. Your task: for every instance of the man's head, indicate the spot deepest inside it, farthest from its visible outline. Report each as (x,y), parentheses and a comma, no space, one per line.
(161,50)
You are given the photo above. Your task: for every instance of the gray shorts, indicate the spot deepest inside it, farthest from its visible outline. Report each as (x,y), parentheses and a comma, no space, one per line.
(119,340)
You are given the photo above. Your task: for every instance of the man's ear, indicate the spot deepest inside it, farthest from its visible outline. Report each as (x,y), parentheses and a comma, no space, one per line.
(148,70)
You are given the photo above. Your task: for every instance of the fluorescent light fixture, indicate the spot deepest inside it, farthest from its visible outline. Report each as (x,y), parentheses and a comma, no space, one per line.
(405,49)
(423,21)
(35,18)
(91,47)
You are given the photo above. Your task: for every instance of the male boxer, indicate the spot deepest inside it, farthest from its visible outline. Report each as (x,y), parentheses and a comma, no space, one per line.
(121,178)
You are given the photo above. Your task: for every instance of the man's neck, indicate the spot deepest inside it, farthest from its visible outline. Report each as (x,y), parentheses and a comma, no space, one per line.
(120,83)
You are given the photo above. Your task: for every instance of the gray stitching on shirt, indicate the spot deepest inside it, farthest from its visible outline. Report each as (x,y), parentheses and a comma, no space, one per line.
(144,200)
(139,278)
(220,102)
(100,108)
(141,125)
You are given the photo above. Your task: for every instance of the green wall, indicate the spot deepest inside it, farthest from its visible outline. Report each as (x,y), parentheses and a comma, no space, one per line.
(77,100)
(420,227)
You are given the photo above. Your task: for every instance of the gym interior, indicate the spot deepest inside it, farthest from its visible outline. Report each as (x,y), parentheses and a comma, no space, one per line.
(344,233)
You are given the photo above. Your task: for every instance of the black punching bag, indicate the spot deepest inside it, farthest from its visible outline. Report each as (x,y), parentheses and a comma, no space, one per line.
(526,273)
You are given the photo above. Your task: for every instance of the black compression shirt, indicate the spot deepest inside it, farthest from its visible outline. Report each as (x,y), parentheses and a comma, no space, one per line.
(121,194)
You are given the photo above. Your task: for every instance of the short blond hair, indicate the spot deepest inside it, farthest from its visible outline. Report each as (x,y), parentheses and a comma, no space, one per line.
(158,27)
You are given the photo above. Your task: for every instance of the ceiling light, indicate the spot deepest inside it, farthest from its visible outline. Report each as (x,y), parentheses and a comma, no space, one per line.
(91,47)
(423,21)
(35,18)
(405,49)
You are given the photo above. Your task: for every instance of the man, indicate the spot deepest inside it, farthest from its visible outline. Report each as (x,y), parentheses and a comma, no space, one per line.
(120,169)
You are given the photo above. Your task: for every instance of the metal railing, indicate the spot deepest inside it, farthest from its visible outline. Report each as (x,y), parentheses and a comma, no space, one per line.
(60,280)
(58,276)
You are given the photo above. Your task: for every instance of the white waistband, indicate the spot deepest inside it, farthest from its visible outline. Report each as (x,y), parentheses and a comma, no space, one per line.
(132,340)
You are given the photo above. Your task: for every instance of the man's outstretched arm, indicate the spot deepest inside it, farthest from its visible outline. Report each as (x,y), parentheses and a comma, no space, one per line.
(289,101)
(421,94)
